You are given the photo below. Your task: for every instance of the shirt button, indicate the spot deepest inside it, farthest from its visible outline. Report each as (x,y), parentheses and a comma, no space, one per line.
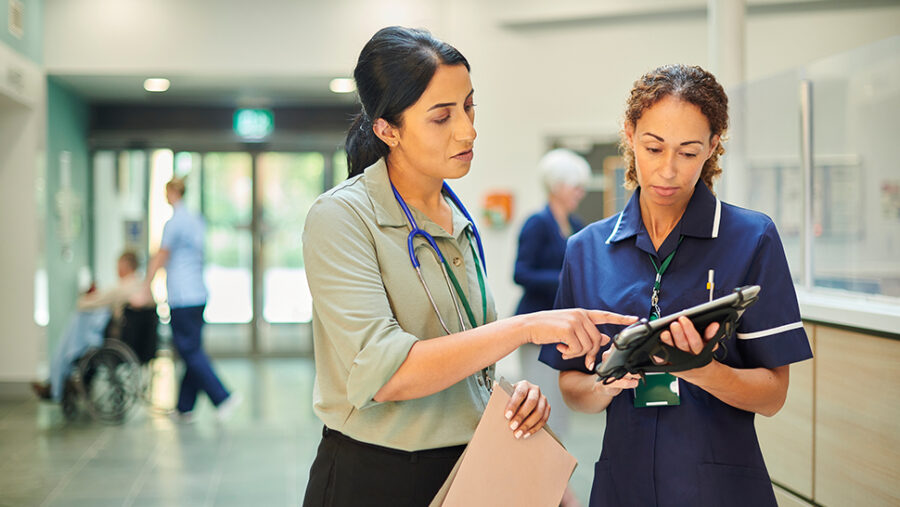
(457,261)
(480,381)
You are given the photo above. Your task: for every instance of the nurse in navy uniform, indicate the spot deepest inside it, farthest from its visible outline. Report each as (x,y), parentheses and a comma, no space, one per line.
(696,444)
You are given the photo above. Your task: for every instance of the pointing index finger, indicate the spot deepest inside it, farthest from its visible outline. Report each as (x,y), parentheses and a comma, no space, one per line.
(604,317)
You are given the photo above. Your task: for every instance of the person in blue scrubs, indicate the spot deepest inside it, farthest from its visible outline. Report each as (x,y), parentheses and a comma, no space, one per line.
(700,448)
(181,251)
(542,247)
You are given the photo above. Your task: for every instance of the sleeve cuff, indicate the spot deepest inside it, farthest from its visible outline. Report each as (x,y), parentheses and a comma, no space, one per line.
(552,358)
(771,350)
(374,366)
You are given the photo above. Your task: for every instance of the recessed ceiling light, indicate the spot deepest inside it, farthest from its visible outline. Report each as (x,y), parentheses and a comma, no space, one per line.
(342,85)
(156,84)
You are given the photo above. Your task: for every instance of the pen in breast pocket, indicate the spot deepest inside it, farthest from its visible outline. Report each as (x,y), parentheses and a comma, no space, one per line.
(711,284)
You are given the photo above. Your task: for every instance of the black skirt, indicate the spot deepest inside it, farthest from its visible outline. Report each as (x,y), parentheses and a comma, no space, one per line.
(347,472)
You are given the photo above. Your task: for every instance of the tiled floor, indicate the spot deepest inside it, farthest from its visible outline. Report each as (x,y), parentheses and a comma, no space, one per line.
(259,458)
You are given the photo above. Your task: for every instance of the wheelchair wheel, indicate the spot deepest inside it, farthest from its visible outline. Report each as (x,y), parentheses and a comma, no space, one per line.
(111,381)
(71,401)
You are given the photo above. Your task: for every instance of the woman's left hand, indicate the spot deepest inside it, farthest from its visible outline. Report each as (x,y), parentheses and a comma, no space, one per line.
(527,410)
(684,336)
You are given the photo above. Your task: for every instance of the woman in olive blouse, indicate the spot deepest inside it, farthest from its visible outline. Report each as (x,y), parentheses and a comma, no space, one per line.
(400,394)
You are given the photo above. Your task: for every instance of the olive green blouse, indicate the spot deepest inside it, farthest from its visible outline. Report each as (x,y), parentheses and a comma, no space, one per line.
(369,308)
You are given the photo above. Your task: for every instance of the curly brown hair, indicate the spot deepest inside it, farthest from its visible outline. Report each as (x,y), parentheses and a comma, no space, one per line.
(691,84)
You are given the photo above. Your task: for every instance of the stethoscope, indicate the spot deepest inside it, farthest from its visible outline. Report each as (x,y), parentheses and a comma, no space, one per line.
(449,277)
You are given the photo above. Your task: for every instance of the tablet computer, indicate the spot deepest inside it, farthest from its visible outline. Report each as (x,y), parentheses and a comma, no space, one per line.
(635,346)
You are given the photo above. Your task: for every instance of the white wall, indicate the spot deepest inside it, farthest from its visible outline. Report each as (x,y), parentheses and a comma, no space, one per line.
(531,83)
(219,37)
(535,83)
(22,140)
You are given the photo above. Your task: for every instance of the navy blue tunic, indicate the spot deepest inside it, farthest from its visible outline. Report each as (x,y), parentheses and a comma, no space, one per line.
(702,452)
(542,248)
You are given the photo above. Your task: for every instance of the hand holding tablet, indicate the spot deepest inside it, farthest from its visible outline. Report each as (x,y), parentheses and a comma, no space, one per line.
(635,346)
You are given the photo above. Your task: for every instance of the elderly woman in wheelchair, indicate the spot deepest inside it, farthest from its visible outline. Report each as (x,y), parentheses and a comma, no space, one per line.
(97,363)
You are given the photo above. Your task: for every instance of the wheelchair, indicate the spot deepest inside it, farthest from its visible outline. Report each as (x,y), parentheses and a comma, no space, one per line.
(106,381)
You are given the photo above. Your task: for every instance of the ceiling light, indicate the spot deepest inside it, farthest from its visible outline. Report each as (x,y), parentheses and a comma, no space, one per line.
(342,85)
(156,84)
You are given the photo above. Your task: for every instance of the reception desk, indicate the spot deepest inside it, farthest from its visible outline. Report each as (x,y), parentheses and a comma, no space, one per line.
(837,439)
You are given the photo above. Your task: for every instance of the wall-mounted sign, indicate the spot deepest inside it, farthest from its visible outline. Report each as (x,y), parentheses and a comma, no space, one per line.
(253,124)
(498,208)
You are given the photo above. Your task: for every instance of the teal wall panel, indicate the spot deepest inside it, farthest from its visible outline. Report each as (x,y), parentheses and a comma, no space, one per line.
(68,203)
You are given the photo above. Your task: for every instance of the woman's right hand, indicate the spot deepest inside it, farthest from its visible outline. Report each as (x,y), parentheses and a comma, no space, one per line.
(574,331)
(629,381)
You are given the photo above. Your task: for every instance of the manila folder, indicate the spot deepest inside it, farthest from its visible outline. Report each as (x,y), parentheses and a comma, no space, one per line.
(496,469)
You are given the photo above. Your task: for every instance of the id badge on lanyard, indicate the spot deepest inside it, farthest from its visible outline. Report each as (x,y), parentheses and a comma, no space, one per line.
(658,389)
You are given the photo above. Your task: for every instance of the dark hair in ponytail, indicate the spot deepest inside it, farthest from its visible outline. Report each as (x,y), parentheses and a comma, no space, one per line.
(392,72)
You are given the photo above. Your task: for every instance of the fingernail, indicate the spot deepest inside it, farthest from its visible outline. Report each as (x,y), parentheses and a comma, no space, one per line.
(527,435)
(514,425)
(518,434)
(508,414)
(591,366)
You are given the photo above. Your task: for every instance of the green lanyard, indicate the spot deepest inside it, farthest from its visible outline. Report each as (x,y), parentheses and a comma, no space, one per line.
(654,297)
(462,296)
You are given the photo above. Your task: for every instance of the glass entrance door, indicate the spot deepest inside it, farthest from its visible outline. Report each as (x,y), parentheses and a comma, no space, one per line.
(227,206)
(287,185)
(254,205)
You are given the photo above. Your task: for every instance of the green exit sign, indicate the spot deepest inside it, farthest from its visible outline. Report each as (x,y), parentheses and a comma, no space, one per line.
(253,124)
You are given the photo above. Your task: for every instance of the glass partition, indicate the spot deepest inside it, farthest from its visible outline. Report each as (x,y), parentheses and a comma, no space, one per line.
(856,230)
(855,183)
(762,168)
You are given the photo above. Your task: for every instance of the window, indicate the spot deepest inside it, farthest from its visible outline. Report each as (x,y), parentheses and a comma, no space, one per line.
(851,241)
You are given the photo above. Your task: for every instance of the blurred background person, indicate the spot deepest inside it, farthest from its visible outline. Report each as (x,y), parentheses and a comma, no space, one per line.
(181,252)
(542,246)
(542,242)
(99,313)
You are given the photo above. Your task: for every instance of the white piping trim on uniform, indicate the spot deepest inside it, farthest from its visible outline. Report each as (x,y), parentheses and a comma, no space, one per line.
(715,230)
(769,332)
(616,228)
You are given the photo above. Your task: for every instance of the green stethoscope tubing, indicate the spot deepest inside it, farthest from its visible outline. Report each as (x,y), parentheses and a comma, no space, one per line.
(462,297)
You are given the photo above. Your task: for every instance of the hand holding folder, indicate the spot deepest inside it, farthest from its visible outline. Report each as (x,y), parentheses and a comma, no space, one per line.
(497,469)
